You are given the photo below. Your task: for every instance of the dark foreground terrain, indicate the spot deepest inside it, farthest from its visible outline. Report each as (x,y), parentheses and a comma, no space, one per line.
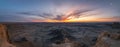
(60,35)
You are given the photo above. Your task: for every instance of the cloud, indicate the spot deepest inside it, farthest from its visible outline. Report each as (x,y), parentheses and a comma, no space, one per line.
(79,12)
(76,13)
(43,15)
(58,17)
(13,18)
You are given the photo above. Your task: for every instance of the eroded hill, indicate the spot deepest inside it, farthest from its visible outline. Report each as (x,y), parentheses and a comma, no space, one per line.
(60,35)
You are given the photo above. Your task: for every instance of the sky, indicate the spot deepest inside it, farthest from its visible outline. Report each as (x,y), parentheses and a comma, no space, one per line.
(59,11)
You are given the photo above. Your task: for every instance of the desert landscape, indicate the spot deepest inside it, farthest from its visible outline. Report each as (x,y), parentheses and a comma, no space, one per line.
(59,23)
(60,34)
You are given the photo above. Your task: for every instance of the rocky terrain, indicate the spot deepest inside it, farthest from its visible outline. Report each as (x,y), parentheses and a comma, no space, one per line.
(60,35)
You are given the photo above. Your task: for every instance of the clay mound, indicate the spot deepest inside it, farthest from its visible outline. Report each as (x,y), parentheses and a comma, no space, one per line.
(60,35)
(61,38)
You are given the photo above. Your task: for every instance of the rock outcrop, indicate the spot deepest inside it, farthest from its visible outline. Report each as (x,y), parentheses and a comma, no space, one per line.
(107,39)
(21,40)
(4,37)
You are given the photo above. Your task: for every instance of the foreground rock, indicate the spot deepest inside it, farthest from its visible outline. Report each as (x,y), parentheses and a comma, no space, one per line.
(4,37)
(107,39)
